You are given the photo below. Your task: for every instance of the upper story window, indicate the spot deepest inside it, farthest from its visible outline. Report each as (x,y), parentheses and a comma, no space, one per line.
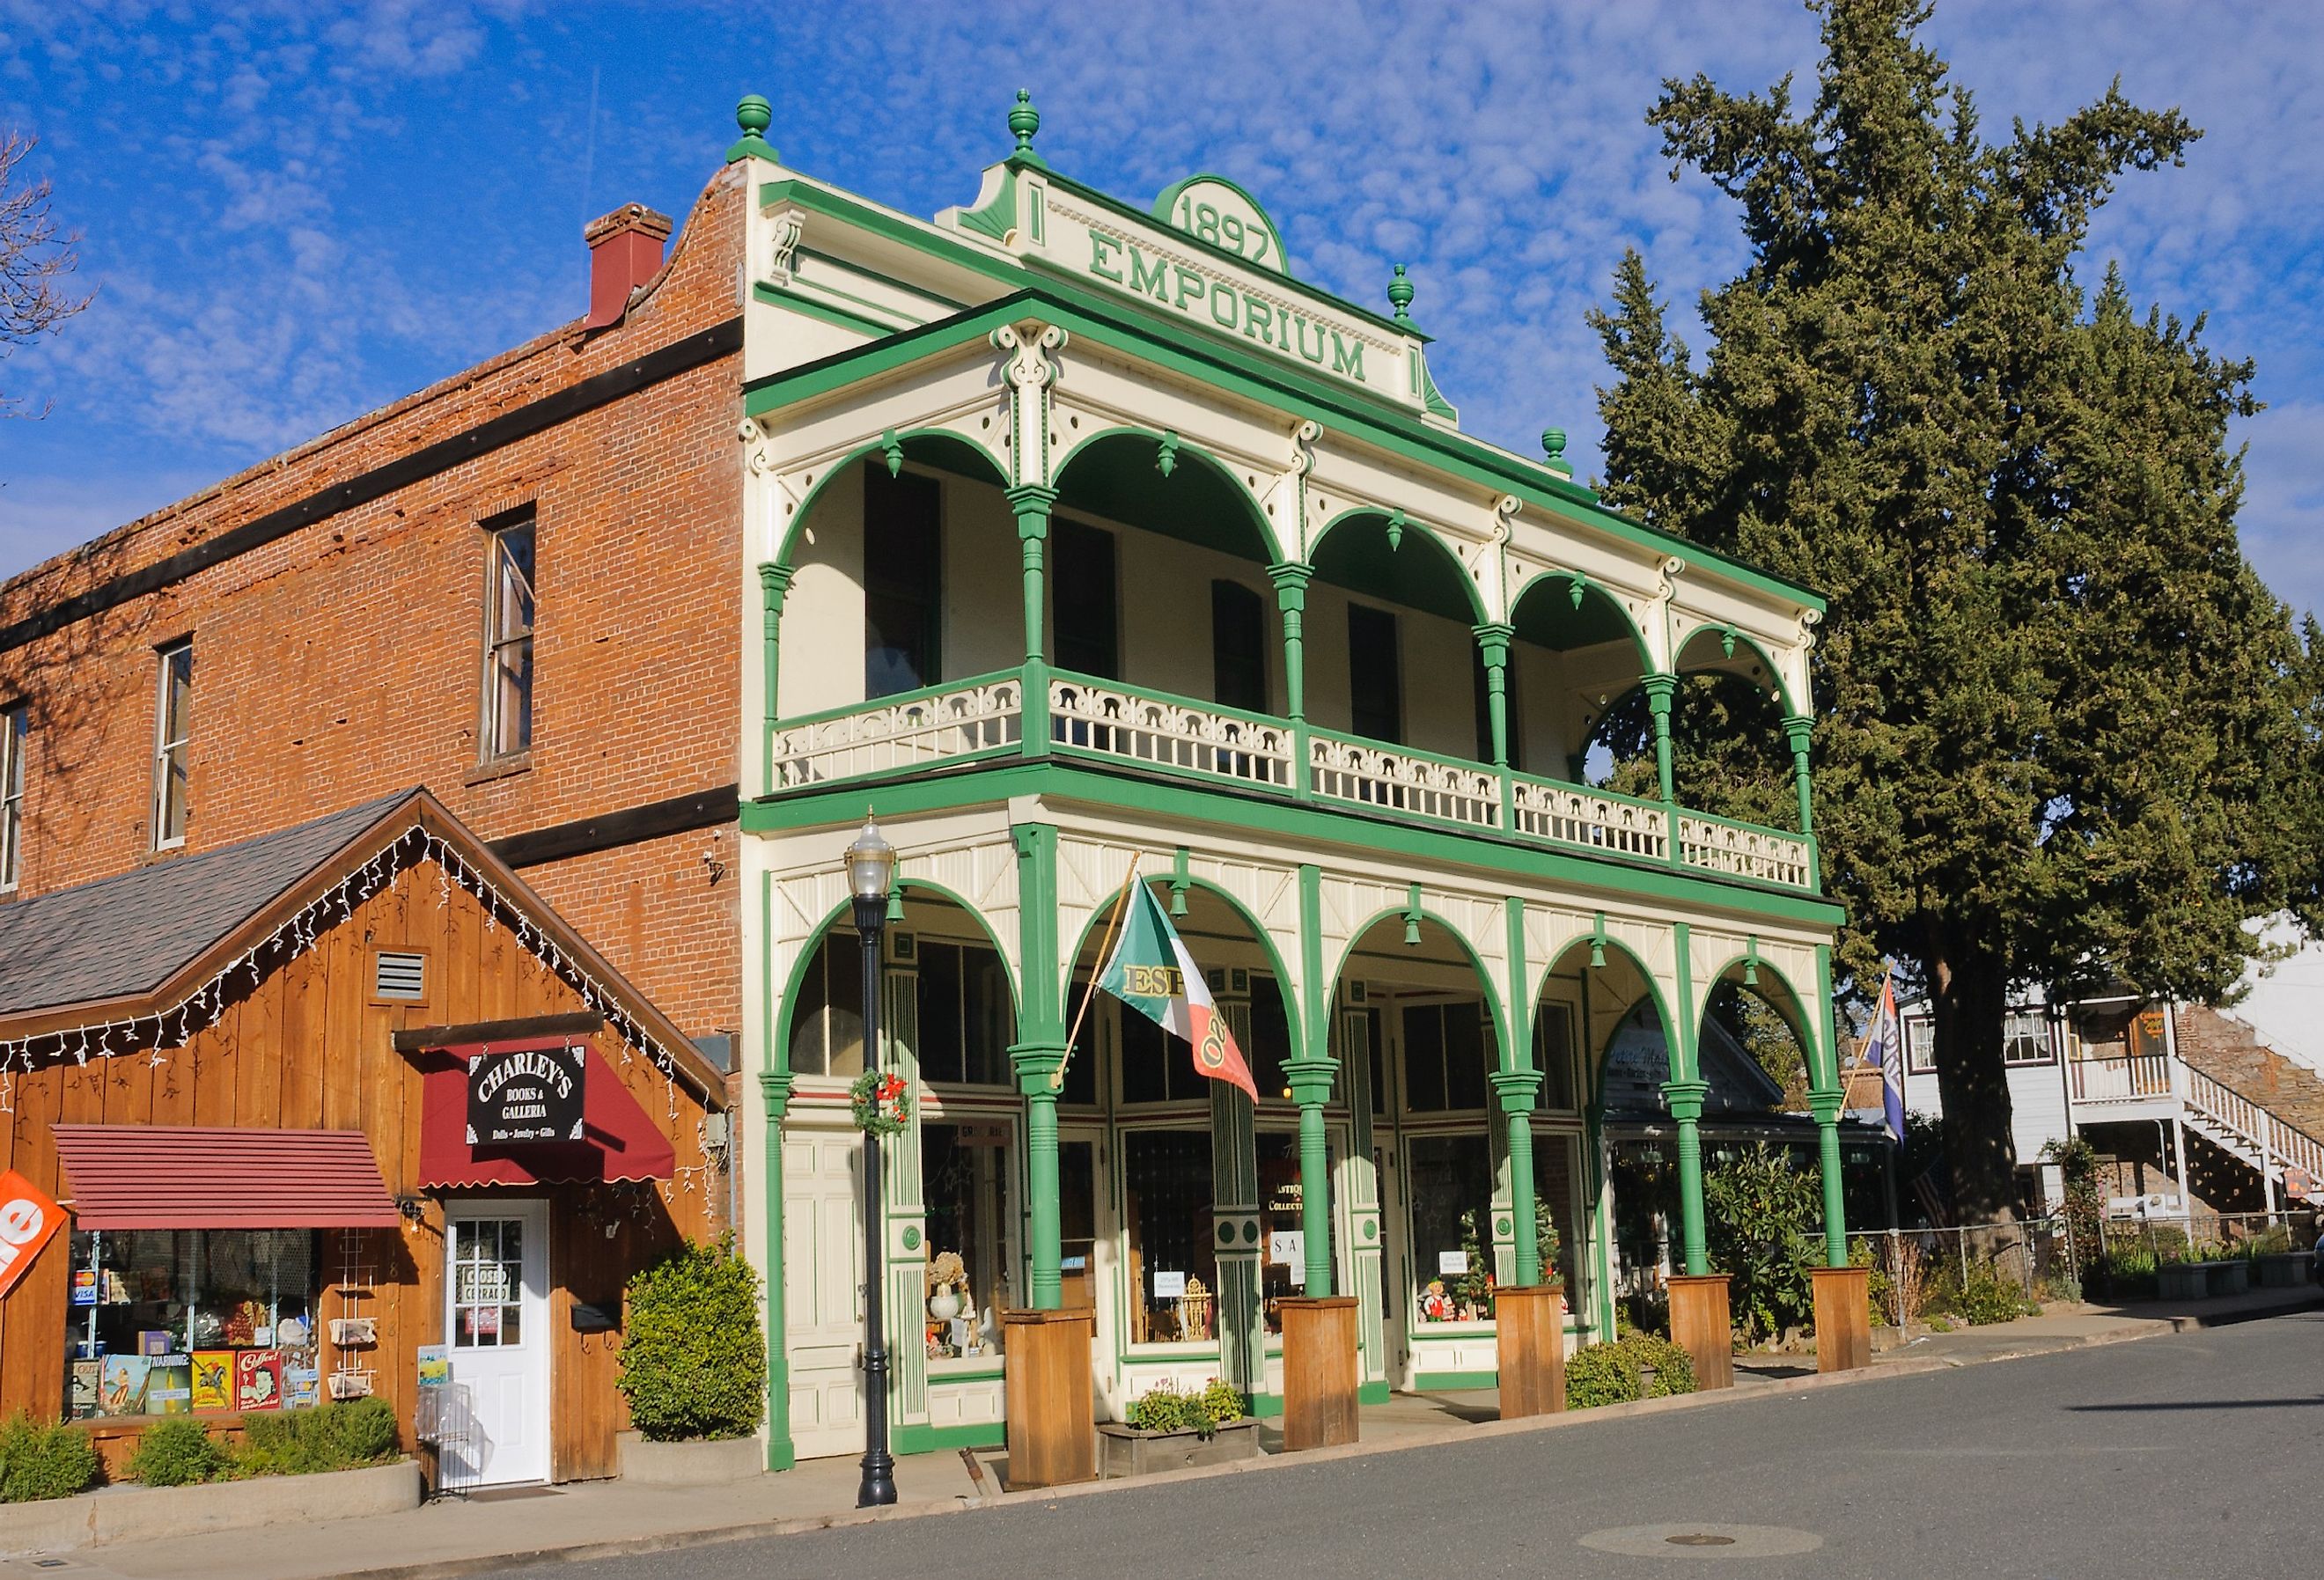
(1920,1047)
(1088,600)
(173,728)
(15,729)
(507,724)
(1553,1054)
(1375,674)
(903,580)
(1238,646)
(1444,1055)
(2025,1038)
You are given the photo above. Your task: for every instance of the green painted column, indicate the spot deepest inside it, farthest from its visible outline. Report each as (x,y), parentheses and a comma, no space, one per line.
(1662,690)
(774,585)
(1685,1101)
(1310,1071)
(1519,1091)
(1493,646)
(1801,732)
(1291,578)
(775,1096)
(1825,1106)
(1039,1051)
(1032,501)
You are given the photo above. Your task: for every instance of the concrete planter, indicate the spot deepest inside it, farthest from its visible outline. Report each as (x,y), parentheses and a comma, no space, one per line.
(689,1465)
(133,1514)
(1125,1451)
(2182,1280)
(2232,1277)
(2286,1269)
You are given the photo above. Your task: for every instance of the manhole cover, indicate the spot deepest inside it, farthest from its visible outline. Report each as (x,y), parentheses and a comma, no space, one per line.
(1703,1540)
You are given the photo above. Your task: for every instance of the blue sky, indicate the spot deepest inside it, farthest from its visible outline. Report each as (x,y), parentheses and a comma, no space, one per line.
(294,213)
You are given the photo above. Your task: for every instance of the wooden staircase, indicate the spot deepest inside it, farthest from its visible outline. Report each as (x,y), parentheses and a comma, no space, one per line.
(2248,1100)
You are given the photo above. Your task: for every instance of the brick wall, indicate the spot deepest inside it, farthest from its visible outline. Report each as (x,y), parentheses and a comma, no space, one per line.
(2230,1052)
(344,661)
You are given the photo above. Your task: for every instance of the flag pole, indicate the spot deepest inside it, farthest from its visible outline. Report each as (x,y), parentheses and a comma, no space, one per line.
(1057,1079)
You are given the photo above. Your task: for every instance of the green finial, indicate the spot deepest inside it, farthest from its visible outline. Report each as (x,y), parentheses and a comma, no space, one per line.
(754,115)
(1399,296)
(893,448)
(1166,459)
(1396,530)
(1553,445)
(1024,120)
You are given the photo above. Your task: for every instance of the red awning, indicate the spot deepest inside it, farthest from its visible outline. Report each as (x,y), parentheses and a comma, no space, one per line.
(204,1177)
(619,1140)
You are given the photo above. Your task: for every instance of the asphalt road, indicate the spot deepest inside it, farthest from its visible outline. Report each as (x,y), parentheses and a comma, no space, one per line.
(2198,1455)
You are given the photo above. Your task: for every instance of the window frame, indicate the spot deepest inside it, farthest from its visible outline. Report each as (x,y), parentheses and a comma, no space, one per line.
(2024,1022)
(15,737)
(1228,605)
(1919,1035)
(1064,531)
(491,721)
(170,769)
(914,504)
(1392,647)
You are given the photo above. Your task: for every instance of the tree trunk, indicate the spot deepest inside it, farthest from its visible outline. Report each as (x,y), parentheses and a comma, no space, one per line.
(1970,988)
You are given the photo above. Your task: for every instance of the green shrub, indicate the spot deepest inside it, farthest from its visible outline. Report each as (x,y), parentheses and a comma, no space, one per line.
(1987,1297)
(178,1453)
(1163,1409)
(309,1442)
(1611,1373)
(694,1356)
(41,1459)
(1766,1221)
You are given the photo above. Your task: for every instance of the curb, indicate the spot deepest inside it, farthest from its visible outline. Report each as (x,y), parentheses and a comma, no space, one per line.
(1879,1371)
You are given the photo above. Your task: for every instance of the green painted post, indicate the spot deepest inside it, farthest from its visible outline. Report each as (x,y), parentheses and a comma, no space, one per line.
(1662,690)
(774,1094)
(1520,1090)
(1825,1106)
(1493,645)
(1685,1101)
(1310,1074)
(1031,502)
(1801,733)
(1039,1052)
(774,585)
(1291,578)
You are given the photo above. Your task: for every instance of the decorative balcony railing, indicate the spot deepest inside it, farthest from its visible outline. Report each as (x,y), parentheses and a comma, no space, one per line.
(1150,731)
(2128,1079)
(919,729)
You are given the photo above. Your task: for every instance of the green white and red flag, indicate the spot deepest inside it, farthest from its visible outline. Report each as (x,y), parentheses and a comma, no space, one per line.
(1152,973)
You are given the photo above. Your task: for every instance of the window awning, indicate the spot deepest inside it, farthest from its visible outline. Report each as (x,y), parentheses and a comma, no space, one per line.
(619,1139)
(205,1177)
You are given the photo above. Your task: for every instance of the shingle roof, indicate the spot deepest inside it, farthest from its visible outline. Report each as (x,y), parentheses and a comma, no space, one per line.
(126,934)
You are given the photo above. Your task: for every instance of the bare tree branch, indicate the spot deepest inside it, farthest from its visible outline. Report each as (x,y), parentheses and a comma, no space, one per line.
(35,261)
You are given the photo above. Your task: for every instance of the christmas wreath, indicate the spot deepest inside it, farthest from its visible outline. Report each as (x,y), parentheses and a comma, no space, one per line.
(881,1103)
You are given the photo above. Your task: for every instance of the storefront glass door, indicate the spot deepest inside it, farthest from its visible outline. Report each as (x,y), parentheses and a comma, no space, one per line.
(496,1327)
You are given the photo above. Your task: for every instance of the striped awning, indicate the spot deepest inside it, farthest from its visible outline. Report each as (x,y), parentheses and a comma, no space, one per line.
(206,1177)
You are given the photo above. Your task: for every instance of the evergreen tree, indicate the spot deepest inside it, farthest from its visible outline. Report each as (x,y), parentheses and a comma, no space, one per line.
(2053,720)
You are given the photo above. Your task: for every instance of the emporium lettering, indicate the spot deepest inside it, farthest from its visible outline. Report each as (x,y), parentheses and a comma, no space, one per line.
(1189,290)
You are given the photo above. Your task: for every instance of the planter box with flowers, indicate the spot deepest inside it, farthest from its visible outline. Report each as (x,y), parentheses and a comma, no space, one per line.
(1169,1430)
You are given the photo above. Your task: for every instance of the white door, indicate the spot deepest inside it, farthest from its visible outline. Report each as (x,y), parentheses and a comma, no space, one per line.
(823,1290)
(496,1327)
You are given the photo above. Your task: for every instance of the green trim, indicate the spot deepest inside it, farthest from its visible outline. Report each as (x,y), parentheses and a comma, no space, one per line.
(1378,420)
(1430,397)
(784,296)
(1453,1381)
(998,217)
(1267,1407)
(922,1439)
(949,304)
(1169,199)
(1318,825)
(1366,1393)
(1774,670)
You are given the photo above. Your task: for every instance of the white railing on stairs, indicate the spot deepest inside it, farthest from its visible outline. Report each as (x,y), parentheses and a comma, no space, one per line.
(2280,1143)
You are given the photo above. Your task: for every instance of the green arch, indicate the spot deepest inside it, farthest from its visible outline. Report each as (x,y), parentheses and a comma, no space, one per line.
(1181,449)
(1478,615)
(1803,1029)
(1593,595)
(1654,995)
(1774,670)
(941,439)
(781,1030)
(1274,955)
(1501,1040)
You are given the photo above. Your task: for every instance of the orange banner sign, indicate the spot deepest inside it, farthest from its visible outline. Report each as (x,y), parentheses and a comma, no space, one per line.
(27,1219)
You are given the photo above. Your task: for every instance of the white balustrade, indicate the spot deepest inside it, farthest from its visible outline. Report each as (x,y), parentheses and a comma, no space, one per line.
(2129,1078)
(2280,1143)
(1399,781)
(882,737)
(1568,815)
(1763,853)
(1154,732)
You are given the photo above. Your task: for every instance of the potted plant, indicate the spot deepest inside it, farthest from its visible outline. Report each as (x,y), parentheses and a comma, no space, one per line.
(694,1368)
(1169,1430)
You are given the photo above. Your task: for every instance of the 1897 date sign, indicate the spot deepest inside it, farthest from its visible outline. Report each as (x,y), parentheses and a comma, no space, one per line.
(526,1094)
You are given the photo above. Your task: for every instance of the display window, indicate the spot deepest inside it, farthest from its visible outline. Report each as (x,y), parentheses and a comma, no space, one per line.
(1449,1179)
(191,1322)
(1446,1050)
(487,1283)
(965,1173)
(1283,1240)
(965,1019)
(1167,1205)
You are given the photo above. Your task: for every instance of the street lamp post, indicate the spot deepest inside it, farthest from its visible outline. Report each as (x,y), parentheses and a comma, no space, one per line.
(870,872)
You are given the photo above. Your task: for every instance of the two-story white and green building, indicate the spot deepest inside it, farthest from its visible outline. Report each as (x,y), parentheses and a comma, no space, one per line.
(1087,540)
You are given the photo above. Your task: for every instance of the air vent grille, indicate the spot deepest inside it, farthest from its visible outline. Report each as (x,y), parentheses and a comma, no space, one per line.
(399,976)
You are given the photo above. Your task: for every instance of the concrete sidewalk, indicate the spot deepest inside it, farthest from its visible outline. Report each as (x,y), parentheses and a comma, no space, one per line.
(498,1530)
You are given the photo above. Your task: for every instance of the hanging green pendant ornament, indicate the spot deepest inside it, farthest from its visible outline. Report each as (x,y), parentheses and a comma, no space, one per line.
(881,1102)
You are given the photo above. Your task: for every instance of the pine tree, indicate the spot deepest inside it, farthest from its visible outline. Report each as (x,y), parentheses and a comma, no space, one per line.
(2054,703)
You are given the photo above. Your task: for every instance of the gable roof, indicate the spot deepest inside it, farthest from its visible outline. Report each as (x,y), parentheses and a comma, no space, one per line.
(137,945)
(127,935)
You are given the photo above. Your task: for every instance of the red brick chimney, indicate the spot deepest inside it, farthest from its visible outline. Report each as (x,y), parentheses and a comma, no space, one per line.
(624,253)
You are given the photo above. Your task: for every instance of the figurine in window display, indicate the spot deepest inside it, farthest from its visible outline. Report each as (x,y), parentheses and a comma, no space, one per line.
(1436,1302)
